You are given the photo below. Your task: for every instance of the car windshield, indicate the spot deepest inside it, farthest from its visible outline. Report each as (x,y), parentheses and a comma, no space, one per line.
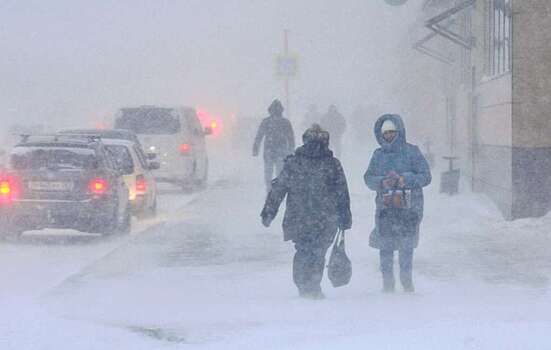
(122,158)
(154,121)
(56,158)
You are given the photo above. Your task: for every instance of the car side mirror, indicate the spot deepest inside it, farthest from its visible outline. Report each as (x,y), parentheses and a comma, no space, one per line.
(151,156)
(154,166)
(208,131)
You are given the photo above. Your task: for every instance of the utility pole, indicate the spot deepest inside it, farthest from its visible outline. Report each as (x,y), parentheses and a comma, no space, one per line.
(287,77)
(286,68)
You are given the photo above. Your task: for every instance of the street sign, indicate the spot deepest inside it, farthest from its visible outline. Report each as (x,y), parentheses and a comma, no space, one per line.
(286,66)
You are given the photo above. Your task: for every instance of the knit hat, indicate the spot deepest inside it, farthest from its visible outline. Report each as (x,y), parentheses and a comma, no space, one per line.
(315,134)
(388,125)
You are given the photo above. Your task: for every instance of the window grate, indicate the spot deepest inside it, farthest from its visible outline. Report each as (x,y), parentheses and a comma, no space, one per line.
(499,37)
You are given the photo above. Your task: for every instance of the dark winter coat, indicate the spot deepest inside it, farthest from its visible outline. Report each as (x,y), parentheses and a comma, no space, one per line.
(318,202)
(408,161)
(278,135)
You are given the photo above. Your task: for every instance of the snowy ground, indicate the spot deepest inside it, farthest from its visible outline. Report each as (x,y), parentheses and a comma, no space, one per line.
(207,275)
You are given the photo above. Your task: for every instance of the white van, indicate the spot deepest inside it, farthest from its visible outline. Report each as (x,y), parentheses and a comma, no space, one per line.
(176,135)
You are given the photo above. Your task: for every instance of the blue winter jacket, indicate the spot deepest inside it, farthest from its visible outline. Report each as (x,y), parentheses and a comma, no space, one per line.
(408,161)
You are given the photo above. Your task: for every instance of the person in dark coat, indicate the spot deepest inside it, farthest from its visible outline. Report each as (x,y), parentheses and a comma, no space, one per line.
(318,204)
(397,172)
(335,124)
(279,141)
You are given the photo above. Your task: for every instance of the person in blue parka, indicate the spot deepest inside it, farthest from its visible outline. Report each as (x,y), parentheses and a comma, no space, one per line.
(398,172)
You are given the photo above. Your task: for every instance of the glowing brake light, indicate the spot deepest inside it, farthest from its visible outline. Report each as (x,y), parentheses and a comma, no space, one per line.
(9,189)
(184,148)
(141,185)
(98,186)
(5,188)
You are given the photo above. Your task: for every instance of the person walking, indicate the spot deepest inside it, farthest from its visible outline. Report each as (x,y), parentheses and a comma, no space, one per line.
(311,117)
(398,172)
(335,124)
(279,141)
(318,204)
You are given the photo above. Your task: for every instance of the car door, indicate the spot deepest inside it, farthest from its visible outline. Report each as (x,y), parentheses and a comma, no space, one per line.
(121,190)
(143,164)
(198,141)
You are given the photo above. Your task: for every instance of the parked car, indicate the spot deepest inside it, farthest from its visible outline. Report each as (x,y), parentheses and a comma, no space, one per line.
(118,134)
(176,136)
(63,182)
(134,162)
(137,175)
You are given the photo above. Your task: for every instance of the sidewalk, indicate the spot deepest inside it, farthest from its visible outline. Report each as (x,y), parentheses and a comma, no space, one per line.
(234,290)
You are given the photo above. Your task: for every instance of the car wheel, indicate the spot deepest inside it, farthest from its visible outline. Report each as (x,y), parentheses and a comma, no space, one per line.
(9,231)
(153,210)
(149,213)
(124,224)
(201,183)
(9,228)
(118,224)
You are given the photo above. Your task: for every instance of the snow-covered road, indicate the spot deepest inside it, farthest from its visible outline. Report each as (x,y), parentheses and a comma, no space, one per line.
(207,275)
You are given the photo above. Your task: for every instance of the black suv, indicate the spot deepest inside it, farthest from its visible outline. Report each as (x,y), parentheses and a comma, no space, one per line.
(62,182)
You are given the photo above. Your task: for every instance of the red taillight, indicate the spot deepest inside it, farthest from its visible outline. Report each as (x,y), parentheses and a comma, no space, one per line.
(141,185)
(184,148)
(9,189)
(98,186)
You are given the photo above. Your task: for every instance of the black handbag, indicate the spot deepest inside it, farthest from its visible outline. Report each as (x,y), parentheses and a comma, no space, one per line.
(339,269)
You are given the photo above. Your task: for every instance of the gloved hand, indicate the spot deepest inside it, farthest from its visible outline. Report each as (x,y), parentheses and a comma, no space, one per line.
(266,221)
(401,182)
(391,179)
(388,183)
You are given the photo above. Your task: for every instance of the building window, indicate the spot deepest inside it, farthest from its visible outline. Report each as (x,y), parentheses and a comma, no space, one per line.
(499,37)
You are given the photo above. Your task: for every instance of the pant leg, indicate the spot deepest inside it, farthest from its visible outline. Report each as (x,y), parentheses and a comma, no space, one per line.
(406,267)
(387,268)
(279,166)
(309,264)
(268,173)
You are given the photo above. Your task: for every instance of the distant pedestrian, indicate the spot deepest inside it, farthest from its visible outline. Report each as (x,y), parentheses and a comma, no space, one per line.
(279,141)
(318,204)
(312,116)
(361,120)
(397,172)
(335,123)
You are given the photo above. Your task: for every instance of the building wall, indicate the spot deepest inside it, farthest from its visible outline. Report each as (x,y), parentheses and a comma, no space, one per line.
(531,136)
(532,73)
(484,122)
(503,124)
(493,124)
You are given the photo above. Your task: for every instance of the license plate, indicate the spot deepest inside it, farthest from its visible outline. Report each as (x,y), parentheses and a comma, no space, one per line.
(50,186)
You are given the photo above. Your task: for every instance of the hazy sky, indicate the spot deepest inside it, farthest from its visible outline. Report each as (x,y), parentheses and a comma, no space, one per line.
(67,59)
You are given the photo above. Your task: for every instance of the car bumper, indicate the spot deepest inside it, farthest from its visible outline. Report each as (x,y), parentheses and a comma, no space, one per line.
(178,171)
(138,204)
(79,215)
